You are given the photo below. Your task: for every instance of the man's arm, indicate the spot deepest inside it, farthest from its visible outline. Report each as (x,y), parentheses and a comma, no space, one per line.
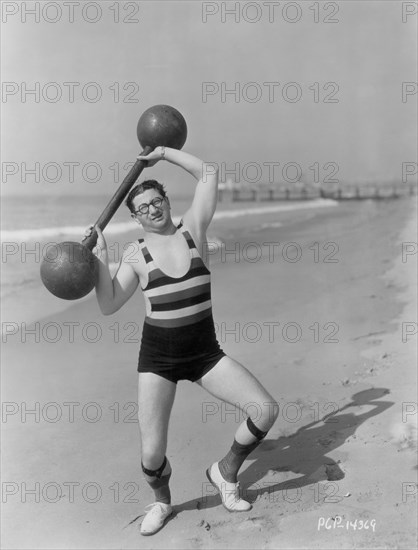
(112,294)
(203,207)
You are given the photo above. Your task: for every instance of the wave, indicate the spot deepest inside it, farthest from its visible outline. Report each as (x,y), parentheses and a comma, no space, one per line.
(315,203)
(57,233)
(271,225)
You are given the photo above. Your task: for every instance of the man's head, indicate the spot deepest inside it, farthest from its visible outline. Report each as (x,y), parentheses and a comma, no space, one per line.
(141,188)
(149,205)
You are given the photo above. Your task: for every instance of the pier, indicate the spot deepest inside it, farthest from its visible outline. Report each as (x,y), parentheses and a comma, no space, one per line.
(343,191)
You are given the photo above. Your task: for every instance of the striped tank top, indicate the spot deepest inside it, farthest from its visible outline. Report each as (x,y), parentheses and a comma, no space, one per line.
(177,302)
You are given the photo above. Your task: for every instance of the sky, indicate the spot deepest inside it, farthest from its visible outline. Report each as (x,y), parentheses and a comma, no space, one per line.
(272,92)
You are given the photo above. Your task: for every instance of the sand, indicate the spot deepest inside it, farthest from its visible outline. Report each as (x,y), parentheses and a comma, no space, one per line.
(326,338)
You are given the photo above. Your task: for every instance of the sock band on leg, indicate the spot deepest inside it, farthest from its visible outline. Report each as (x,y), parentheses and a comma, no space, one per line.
(155,473)
(254,430)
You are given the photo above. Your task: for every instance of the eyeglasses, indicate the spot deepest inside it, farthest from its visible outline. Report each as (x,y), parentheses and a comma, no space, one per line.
(144,208)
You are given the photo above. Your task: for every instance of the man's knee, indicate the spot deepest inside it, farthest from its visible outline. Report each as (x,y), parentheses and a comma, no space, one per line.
(269,414)
(152,458)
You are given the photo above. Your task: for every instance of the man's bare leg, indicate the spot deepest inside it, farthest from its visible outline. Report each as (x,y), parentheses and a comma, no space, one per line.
(233,383)
(155,401)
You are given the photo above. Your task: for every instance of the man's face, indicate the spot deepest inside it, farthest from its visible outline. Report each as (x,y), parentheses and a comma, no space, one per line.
(152,211)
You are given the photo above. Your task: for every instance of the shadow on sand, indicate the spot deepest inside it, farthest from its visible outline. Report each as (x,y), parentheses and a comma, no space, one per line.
(304,452)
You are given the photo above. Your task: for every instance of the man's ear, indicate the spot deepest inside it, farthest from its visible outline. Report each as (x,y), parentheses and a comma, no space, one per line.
(136,219)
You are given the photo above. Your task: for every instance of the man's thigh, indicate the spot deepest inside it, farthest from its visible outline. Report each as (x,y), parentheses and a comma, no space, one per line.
(232,382)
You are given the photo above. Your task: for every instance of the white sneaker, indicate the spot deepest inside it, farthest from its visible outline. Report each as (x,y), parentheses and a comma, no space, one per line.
(229,491)
(156,516)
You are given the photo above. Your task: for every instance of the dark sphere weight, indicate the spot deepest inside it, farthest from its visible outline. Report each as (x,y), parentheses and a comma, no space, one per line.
(162,125)
(69,270)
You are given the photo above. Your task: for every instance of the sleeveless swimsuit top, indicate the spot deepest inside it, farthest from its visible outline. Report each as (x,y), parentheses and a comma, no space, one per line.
(177,301)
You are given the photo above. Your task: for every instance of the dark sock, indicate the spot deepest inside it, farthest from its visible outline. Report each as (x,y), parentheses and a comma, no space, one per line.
(158,481)
(161,489)
(232,462)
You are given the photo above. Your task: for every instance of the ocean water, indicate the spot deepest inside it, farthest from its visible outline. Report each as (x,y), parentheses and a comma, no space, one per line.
(49,218)
(31,224)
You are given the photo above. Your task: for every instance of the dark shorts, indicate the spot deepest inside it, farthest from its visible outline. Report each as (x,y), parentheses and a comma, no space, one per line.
(180,353)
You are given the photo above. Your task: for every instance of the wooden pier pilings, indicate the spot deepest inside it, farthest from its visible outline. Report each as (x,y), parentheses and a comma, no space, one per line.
(258,193)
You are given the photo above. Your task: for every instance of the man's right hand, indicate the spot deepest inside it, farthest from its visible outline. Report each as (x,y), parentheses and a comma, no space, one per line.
(100,250)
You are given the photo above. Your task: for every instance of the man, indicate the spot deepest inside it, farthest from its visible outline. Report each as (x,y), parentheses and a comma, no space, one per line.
(178,340)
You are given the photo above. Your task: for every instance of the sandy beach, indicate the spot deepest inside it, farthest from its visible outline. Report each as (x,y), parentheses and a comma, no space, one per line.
(322,308)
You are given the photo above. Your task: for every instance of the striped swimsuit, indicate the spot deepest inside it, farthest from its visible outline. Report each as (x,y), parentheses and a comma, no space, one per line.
(178,337)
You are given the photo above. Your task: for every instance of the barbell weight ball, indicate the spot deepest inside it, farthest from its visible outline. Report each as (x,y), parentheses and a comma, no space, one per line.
(162,125)
(69,270)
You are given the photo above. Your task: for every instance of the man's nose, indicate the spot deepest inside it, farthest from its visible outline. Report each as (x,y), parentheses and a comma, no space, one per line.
(154,208)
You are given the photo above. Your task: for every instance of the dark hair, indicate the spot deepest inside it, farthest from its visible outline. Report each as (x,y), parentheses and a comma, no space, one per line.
(141,188)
